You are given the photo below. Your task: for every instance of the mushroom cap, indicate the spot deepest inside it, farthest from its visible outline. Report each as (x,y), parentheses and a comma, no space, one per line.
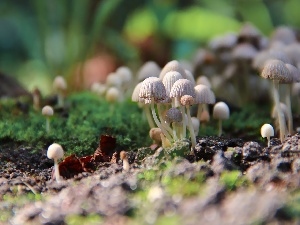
(113,94)
(113,80)
(203,80)
(221,111)
(173,115)
(244,51)
(55,151)
(295,72)
(169,79)
(154,134)
(204,116)
(125,74)
(186,100)
(204,95)
(98,88)
(135,94)
(59,83)
(149,69)
(195,124)
(123,155)
(152,88)
(276,70)
(296,89)
(173,65)
(284,34)
(182,87)
(226,41)
(249,30)
(47,110)
(190,76)
(267,130)
(293,52)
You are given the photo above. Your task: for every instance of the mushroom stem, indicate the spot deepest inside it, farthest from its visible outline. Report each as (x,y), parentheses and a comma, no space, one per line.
(269,140)
(289,109)
(56,171)
(282,126)
(174,126)
(190,126)
(47,124)
(220,128)
(146,109)
(163,123)
(60,100)
(157,121)
(199,111)
(183,133)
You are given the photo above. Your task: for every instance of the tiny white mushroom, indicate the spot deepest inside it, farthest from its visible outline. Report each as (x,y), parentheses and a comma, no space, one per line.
(47,111)
(221,112)
(60,86)
(124,158)
(267,131)
(55,152)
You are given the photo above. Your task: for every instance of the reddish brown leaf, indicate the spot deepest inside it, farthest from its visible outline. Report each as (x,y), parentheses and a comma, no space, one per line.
(70,167)
(88,164)
(107,144)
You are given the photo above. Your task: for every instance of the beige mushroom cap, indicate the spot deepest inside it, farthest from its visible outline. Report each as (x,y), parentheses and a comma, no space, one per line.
(135,94)
(182,87)
(294,71)
(276,70)
(149,69)
(204,95)
(55,151)
(203,80)
(173,115)
(221,111)
(152,88)
(47,110)
(59,83)
(113,95)
(186,100)
(123,155)
(169,79)
(173,65)
(125,74)
(267,130)
(154,134)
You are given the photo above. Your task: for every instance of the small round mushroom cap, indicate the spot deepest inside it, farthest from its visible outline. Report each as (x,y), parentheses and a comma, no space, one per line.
(123,155)
(203,80)
(267,130)
(190,76)
(249,30)
(55,151)
(47,110)
(284,34)
(154,134)
(173,65)
(204,95)
(152,88)
(276,70)
(244,51)
(169,79)
(186,100)
(113,95)
(221,111)
(135,94)
(98,88)
(149,69)
(113,80)
(295,72)
(125,74)
(173,115)
(59,83)
(182,87)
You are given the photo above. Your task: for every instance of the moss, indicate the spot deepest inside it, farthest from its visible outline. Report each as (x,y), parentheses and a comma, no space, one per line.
(77,129)
(233,180)
(83,220)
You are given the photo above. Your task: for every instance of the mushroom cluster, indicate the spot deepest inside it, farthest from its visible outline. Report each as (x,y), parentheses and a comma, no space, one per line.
(168,98)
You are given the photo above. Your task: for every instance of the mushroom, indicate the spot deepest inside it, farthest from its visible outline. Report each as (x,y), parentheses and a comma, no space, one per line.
(173,116)
(149,69)
(221,112)
(277,71)
(153,91)
(180,88)
(112,95)
(154,134)
(173,65)
(187,101)
(47,111)
(55,152)
(124,158)
(36,97)
(196,125)
(267,131)
(60,86)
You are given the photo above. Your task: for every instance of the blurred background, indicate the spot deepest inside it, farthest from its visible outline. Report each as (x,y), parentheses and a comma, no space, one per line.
(84,40)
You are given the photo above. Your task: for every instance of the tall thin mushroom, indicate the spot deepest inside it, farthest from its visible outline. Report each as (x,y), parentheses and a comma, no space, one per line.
(277,71)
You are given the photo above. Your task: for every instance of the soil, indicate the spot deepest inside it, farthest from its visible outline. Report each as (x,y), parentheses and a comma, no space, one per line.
(272,171)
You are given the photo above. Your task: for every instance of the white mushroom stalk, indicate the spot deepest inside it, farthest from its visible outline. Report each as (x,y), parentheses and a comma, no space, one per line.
(60,86)
(124,158)
(186,101)
(152,90)
(55,152)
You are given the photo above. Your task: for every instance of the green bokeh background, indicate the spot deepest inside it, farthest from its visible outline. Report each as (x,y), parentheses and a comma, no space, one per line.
(42,38)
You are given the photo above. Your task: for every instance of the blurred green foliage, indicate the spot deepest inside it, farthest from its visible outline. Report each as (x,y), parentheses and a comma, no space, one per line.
(40,39)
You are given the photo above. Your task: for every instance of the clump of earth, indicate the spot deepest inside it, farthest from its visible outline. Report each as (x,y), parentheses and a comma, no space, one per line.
(272,174)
